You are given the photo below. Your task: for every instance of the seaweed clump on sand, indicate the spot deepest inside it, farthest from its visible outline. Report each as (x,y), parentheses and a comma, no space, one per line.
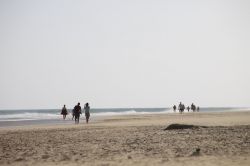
(183,126)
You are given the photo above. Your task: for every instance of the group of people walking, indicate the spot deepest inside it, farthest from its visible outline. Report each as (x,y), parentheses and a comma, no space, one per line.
(182,107)
(76,112)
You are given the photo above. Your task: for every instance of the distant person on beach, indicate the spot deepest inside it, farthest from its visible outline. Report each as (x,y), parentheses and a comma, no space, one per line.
(193,108)
(174,108)
(188,108)
(198,109)
(181,107)
(77,112)
(87,113)
(64,112)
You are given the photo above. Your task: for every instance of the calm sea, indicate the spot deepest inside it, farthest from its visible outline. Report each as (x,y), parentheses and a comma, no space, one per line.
(44,116)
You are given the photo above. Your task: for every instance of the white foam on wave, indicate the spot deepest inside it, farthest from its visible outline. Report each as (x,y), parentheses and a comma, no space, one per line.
(47,116)
(28,116)
(130,112)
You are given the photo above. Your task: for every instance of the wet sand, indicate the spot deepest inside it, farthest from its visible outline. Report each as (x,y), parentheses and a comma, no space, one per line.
(132,140)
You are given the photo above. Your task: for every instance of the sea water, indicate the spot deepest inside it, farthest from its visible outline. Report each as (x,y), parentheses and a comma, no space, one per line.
(43,116)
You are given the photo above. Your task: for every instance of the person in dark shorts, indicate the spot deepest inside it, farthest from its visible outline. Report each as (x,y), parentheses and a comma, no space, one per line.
(64,112)
(188,108)
(174,108)
(181,108)
(87,113)
(77,112)
(193,107)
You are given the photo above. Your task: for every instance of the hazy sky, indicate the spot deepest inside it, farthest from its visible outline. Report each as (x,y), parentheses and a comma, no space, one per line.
(130,53)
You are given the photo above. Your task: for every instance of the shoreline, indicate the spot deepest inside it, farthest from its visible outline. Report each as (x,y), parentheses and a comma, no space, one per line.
(97,119)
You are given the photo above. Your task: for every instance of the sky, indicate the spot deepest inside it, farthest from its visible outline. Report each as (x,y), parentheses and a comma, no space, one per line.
(133,53)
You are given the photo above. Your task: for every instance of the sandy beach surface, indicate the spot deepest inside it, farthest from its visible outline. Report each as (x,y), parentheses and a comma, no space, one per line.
(216,139)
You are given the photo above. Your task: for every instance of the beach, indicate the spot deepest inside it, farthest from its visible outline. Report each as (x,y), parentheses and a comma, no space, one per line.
(217,138)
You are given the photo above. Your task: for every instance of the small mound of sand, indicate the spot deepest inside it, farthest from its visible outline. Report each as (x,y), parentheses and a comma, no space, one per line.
(182,126)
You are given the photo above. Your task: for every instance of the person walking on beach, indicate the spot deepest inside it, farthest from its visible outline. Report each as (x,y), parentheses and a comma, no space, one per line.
(64,112)
(77,112)
(181,107)
(87,113)
(188,108)
(174,108)
(198,109)
(193,108)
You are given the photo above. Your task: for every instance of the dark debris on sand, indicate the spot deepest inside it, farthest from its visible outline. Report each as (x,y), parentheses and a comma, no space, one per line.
(183,126)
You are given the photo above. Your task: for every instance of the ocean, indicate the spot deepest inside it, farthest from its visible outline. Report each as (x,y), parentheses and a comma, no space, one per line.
(53,116)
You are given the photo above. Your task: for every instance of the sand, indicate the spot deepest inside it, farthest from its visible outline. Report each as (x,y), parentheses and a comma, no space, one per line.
(133,140)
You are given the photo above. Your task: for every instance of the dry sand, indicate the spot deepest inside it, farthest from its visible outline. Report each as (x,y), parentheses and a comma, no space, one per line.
(133,140)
